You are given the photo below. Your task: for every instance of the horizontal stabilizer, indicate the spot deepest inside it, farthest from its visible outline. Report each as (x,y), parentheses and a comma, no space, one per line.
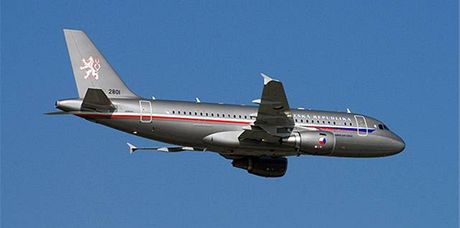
(58,113)
(96,100)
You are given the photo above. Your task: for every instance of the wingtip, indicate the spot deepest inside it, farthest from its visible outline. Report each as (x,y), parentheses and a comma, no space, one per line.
(267,78)
(131,148)
(69,30)
(57,113)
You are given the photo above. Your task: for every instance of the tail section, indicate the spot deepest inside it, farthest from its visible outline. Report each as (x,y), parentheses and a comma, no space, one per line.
(90,68)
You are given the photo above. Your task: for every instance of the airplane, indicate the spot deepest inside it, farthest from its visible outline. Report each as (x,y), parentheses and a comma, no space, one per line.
(257,138)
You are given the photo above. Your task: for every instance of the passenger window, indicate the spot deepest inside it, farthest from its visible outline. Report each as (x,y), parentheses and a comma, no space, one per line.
(301,120)
(334,123)
(190,113)
(196,113)
(206,114)
(234,116)
(212,114)
(174,112)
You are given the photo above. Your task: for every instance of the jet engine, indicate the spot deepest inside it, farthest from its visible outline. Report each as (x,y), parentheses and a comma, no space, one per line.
(312,142)
(262,166)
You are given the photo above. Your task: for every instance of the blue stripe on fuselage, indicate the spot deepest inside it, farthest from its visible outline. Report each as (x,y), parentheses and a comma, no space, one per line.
(369,130)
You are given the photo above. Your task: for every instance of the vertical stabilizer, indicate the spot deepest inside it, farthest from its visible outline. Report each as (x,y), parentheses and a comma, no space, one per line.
(91,69)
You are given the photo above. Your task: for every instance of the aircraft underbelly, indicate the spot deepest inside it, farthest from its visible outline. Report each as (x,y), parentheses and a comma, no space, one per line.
(184,133)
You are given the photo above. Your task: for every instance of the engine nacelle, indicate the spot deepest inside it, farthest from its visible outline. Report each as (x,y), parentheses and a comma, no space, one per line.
(312,142)
(262,166)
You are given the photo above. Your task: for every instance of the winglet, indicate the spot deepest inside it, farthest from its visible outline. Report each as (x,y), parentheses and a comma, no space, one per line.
(267,79)
(131,147)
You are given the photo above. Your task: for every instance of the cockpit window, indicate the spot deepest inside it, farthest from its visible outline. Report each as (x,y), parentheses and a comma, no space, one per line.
(383,126)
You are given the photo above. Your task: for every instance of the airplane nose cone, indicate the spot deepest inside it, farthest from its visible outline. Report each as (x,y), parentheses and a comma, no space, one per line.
(397,145)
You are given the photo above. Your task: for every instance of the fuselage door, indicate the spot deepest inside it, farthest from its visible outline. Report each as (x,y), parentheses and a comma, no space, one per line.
(361,125)
(145,111)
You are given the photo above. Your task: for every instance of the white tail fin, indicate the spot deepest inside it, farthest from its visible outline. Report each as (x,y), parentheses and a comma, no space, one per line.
(90,68)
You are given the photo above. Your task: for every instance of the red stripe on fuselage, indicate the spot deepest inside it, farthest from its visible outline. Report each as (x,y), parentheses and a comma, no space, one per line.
(121,116)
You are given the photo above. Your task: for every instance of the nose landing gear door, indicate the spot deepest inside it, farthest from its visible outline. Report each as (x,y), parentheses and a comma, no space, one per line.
(145,111)
(361,125)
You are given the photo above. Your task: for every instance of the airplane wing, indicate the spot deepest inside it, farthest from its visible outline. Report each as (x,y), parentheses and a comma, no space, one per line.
(133,148)
(274,118)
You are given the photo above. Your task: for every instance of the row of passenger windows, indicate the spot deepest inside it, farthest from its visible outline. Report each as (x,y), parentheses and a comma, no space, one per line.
(249,117)
(323,122)
(212,114)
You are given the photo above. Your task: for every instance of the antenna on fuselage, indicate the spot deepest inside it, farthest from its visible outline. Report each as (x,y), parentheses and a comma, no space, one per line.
(348,110)
(197,100)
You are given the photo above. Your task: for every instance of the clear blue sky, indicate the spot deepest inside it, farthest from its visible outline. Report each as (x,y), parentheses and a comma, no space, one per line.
(394,60)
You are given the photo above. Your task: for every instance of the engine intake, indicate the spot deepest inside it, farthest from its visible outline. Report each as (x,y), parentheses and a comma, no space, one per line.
(262,166)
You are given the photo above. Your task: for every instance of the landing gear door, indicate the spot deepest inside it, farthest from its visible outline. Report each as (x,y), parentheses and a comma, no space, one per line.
(145,111)
(361,125)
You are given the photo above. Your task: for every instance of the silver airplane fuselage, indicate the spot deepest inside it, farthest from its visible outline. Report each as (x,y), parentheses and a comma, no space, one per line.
(189,123)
